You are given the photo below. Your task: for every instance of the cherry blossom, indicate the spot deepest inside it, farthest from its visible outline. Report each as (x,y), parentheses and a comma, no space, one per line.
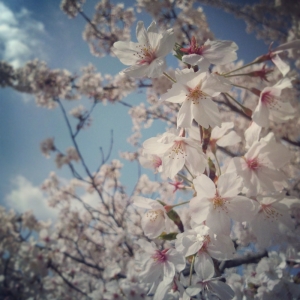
(274,56)
(221,136)
(271,107)
(155,221)
(147,56)
(195,92)
(175,152)
(207,285)
(159,265)
(272,211)
(212,52)
(216,205)
(260,165)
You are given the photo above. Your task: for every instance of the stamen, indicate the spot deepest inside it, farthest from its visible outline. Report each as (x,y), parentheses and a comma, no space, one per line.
(145,54)
(195,94)
(154,214)
(219,203)
(178,149)
(253,164)
(270,100)
(160,256)
(270,213)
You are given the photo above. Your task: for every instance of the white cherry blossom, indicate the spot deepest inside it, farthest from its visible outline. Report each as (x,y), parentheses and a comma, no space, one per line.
(272,212)
(175,152)
(145,58)
(259,167)
(221,136)
(195,92)
(216,205)
(202,239)
(209,287)
(155,220)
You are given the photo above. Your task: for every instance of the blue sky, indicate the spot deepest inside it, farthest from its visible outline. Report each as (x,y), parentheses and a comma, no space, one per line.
(39,29)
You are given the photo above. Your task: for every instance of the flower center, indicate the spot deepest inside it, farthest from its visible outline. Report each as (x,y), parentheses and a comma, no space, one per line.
(152,215)
(194,48)
(160,256)
(145,54)
(270,212)
(268,99)
(253,164)
(194,94)
(219,203)
(177,150)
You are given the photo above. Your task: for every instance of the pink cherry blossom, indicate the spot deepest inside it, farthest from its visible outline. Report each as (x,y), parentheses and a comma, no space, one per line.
(274,56)
(159,265)
(212,52)
(271,107)
(146,57)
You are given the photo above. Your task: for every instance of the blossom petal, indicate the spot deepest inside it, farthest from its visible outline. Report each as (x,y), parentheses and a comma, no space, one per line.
(242,209)
(283,67)
(261,114)
(222,290)
(207,114)
(229,139)
(218,221)
(199,209)
(185,115)
(126,52)
(204,267)
(166,43)
(141,33)
(204,186)
(229,185)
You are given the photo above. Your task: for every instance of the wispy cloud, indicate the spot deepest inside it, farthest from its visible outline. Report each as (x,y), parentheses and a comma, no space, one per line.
(25,196)
(20,36)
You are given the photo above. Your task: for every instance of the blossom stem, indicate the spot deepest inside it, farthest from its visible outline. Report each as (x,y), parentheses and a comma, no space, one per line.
(240,86)
(191,269)
(185,178)
(182,203)
(245,66)
(189,171)
(168,76)
(246,110)
(240,74)
(220,173)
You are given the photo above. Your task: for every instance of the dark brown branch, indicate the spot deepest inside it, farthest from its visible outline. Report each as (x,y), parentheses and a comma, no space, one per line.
(250,259)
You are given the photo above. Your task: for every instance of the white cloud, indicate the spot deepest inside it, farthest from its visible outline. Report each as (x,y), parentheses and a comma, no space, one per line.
(20,36)
(25,196)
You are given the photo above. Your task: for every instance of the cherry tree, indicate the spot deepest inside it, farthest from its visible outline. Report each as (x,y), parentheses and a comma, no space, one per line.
(219,218)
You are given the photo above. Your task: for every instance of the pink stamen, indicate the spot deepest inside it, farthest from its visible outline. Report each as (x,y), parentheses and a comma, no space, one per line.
(160,256)
(253,164)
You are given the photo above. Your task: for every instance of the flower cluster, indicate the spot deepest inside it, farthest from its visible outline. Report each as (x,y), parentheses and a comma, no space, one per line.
(250,190)
(220,217)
